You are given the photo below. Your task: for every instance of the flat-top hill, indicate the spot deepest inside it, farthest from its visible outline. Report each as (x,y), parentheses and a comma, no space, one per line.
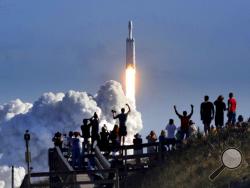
(191,165)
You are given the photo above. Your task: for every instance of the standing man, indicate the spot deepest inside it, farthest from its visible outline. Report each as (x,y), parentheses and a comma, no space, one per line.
(122,121)
(231,110)
(85,127)
(207,114)
(94,122)
(171,128)
(220,108)
(184,121)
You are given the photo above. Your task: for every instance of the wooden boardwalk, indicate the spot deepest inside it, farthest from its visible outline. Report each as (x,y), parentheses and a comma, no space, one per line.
(84,177)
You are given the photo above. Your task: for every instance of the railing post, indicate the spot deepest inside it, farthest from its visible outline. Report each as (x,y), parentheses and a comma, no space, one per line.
(126,170)
(12,176)
(117,183)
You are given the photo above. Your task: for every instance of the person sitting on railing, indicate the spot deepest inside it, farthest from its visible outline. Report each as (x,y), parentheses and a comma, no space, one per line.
(185,118)
(104,143)
(170,140)
(122,122)
(137,141)
(57,139)
(152,138)
(162,140)
(85,127)
(115,138)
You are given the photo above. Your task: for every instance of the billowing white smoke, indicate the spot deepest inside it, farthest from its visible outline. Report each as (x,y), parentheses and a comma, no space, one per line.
(13,108)
(5,176)
(57,112)
(111,96)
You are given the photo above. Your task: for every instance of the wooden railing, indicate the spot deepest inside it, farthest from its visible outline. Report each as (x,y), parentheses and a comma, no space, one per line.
(58,163)
(74,183)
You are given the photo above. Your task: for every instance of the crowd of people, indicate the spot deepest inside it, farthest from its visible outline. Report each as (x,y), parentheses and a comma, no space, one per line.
(209,111)
(80,144)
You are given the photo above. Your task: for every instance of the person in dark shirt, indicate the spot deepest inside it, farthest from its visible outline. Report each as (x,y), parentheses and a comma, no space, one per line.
(220,107)
(57,139)
(114,138)
(184,121)
(94,122)
(207,114)
(122,122)
(137,141)
(104,141)
(86,135)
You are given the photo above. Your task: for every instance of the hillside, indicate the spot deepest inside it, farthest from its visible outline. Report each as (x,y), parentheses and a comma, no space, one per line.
(191,165)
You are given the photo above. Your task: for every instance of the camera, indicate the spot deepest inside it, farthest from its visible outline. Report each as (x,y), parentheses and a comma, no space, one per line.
(113,111)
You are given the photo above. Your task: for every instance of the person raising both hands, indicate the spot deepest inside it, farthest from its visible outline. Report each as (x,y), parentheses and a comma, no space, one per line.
(185,118)
(122,122)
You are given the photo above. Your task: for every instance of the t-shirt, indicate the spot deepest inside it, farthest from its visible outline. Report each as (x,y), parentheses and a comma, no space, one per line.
(220,107)
(185,122)
(86,131)
(95,127)
(171,130)
(207,109)
(122,118)
(232,105)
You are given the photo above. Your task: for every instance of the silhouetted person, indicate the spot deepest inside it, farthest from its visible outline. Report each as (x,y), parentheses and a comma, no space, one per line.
(104,142)
(231,109)
(57,139)
(69,139)
(170,128)
(76,150)
(240,121)
(86,135)
(184,121)
(115,138)
(152,138)
(220,107)
(207,113)
(70,143)
(122,122)
(94,122)
(137,141)
(162,140)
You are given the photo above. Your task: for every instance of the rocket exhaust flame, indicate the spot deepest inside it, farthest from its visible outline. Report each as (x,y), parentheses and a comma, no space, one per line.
(130,83)
(130,65)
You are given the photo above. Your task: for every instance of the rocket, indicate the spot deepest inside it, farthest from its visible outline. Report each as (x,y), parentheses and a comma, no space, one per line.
(130,47)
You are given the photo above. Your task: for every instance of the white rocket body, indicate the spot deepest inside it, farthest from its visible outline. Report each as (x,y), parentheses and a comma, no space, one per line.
(130,48)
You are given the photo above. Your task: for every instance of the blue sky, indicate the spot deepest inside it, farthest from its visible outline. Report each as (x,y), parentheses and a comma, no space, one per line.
(184,50)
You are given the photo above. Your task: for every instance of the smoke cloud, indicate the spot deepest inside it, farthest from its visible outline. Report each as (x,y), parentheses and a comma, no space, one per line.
(54,112)
(5,176)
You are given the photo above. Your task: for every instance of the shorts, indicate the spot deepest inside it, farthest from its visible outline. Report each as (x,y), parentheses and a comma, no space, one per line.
(123,131)
(207,121)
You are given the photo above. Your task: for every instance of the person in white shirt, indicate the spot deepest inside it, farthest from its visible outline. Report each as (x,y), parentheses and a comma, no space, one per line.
(170,128)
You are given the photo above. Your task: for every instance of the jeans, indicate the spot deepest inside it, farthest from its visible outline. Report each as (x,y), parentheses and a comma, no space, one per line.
(184,132)
(231,118)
